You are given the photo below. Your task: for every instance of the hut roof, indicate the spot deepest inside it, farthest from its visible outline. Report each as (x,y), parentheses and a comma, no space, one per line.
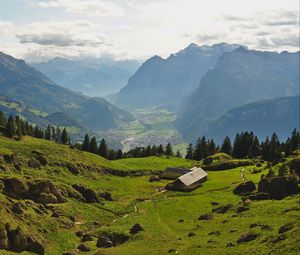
(195,175)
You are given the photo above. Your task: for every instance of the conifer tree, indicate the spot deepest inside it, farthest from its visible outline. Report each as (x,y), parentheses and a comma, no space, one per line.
(120,154)
(189,152)
(86,143)
(2,119)
(64,137)
(255,149)
(169,150)
(48,133)
(112,155)
(93,148)
(58,135)
(160,150)
(178,154)
(226,146)
(103,151)
(10,127)
(198,154)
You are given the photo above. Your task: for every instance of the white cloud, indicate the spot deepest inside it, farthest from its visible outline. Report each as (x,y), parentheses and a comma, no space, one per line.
(63,34)
(5,26)
(85,7)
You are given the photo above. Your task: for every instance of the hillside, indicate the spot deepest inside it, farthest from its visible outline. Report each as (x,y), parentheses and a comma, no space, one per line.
(107,205)
(165,82)
(93,77)
(239,77)
(33,89)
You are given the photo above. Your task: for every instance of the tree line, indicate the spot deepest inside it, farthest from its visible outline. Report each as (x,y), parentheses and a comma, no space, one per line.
(17,127)
(246,145)
(91,145)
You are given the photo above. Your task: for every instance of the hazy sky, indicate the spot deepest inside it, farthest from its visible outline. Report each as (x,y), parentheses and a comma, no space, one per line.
(41,29)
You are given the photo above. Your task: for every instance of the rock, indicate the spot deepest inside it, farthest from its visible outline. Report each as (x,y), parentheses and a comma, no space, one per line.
(285,228)
(250,236)
(279,239)
(214,203)
(222,209)
(190,234)
(206,216)
(104,242)
(10,158)
(79,233)
(230,245)
(73,169)
(216,233)
(247,202)
(259,196)
(15,188)
(69,253)
(154,179)
(279,187)
(42,159)
(233,230)
(242,209)
(244,187)
(136,228)
(83,247)
(33,163)
(87,237)
(18,208)
(181,220)
(173,251)
(18,240)
(89,194)
(107,196)
(72,218)
(3,237)
(55,215)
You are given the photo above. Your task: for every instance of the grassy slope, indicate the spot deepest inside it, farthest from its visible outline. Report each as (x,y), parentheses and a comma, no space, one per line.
(157,212)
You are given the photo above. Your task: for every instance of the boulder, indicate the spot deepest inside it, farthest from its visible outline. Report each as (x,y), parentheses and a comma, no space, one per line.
(285,228)
(42,159)
(242,209)
(15,188)
(279,187)
(4,243)
(18,240)
(136,228)
(190,234)
(258,196)
(104,242)
(73,169)
(244,187)
(87,238)
(207,216)
(33,163)
(250,236)
(222,209)
(154,179)
(106,196)
(89,194)
(83,247)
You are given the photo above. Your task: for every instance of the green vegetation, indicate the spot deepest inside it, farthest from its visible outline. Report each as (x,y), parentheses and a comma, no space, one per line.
(169,219)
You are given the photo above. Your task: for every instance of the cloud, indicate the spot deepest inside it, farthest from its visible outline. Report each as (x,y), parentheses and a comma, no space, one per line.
(85,7)
(210,37)
(235,18)
(5,26)
(291,40)
(63,34)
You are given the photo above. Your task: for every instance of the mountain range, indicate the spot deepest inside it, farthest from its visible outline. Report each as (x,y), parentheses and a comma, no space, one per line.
(22,83)
(165,82)
(90,76)
(239,77)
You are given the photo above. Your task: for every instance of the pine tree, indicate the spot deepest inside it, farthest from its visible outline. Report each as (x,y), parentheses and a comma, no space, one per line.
(169,150)
(93,148)
(283,170)
(255,149)
(148,151)
(295,140)
(112,155)
(86,143)
(189,152)
(10,127)
(120,154)
(48,133)
(226,146)
(178,154)
(154,150)
(103,151)
(58,135)
(160,150)
(2,119)
(274,147)
(64,137)
(198,153)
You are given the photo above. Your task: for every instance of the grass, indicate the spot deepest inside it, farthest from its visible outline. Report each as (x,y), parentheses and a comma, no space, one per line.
(136,200)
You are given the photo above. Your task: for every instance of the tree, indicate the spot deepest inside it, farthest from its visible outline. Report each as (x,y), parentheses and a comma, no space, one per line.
(295,139)
(58,135)
(148,151)
(204,147)
(274,147)
(226,146)
(10,127)
(120,154)
(198,153)
(283,170)
(189,152)
(211,147)
(64,137)
(93,148)
(112,155)
(48,133)
(2,119)
(169,150)
(160,150)
(103,151)
(178,154)
(86,143)
(255,149)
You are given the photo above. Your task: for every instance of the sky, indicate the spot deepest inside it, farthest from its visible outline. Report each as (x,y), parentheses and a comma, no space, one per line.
(37,30)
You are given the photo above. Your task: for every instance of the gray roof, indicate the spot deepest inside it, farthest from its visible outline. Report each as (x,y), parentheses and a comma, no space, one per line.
(195,175)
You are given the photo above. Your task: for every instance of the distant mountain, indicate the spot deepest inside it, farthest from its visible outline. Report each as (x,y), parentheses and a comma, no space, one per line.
(280,115)
(165,82)
(239,77)
(33,89)
(93,77)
